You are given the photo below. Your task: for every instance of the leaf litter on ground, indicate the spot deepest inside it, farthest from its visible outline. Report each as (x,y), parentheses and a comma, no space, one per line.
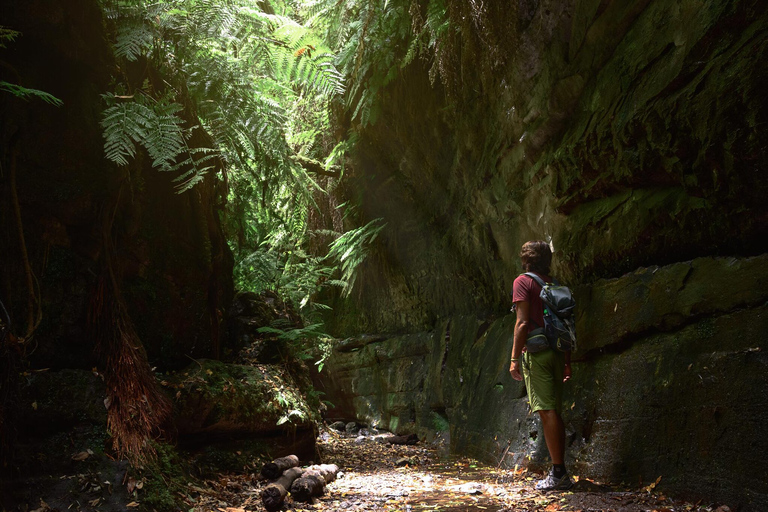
(375,475)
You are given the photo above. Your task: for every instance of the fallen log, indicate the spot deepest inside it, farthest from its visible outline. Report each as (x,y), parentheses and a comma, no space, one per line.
(409,439)
(313,481)
(273,495)
(274,469)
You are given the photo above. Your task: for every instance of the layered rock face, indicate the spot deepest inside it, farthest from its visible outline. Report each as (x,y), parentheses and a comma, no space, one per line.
(632,136)
(670,379)
(629,133)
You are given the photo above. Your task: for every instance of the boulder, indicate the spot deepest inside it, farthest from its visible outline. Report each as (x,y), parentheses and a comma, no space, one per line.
(211,397)
(228,414)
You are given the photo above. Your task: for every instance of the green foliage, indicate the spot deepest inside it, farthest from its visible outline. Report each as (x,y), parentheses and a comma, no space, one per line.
(133,41)
(259,80)
(309,342)
(27,93)
(153,124)
(8,36)
(376,39)
(242,66)
(351,249)
(161,477)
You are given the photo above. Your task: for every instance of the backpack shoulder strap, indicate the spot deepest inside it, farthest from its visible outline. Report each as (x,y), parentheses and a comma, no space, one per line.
(536,278)
(540,280)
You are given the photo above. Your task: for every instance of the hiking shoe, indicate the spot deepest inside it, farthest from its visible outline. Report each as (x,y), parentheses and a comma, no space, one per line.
(550,483)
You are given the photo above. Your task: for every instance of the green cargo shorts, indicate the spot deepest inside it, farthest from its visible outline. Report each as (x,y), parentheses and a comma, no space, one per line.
(543,373)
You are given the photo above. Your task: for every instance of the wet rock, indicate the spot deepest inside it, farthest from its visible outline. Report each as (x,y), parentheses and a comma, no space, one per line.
(338,426)
(351,428)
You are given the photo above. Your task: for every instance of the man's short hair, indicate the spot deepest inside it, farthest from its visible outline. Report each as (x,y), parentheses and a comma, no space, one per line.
(536,256)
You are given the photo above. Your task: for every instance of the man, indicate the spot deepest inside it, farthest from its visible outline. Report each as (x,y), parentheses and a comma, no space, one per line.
(546,370)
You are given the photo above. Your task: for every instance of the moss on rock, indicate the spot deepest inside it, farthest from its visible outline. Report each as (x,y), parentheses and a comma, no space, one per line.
(214,397)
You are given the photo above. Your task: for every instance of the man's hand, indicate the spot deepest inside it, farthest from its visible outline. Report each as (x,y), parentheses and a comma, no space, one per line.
(514,370)
(567,373)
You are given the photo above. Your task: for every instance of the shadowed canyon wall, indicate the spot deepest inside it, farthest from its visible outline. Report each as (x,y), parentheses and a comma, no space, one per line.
(167,250)
(633,136)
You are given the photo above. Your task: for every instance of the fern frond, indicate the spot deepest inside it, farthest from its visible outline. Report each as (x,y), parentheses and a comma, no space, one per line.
(26,93)
(153,125)
(352,248)
(7,36)
(133,41)
(124,125)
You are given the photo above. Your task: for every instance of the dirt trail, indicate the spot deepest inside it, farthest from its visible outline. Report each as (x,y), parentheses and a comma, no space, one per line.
(379,476)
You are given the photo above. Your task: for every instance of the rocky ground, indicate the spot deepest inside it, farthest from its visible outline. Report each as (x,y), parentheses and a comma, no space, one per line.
(379,476)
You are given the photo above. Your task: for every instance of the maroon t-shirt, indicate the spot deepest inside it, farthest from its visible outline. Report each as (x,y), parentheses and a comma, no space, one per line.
(525,289)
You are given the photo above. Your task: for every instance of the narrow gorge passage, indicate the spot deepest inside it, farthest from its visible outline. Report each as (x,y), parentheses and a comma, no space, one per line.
(225,224)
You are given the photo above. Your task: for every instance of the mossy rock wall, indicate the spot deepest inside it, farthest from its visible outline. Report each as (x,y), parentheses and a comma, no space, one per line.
(632,136)
(684,398)
(628,133)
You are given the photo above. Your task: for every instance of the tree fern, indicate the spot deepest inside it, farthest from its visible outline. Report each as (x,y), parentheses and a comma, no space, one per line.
(8,36)
(26,93)
(259,81)
(133,41)
(153,125)
(352,248)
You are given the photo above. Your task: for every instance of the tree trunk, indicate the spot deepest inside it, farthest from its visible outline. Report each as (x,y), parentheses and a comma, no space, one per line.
(313,481)
(137,410)
(274,494)
(31,299)
(274,469)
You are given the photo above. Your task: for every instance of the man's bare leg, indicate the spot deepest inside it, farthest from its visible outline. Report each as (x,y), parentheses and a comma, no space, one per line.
(554,435)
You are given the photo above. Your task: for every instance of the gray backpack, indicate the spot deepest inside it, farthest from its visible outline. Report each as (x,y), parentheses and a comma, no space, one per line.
(559,321)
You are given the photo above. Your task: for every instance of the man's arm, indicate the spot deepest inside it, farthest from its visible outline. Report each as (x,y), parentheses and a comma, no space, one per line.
(521,335)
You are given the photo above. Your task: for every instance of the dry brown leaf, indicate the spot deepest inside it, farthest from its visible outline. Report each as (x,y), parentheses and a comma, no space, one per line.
(44,507)
(81,456)
(653,485)
(133,504)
